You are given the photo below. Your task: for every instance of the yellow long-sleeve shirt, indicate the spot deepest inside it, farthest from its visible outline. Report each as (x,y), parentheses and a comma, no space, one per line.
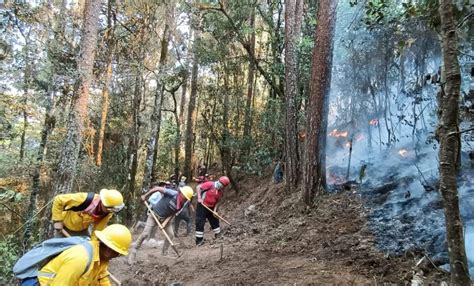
(75,221)
(67,269)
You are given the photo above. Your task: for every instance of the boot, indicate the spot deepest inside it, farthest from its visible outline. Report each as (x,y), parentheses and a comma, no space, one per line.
(218,235)
(199,241)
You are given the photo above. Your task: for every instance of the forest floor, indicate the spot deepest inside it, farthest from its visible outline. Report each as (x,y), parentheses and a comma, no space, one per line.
(274,239)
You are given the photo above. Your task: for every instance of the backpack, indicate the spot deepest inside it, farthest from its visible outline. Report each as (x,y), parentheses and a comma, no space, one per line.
(32,261)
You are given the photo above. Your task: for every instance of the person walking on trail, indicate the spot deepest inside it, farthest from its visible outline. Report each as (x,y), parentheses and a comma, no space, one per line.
(84,264)
(74,213)
(209,194)
(170,203)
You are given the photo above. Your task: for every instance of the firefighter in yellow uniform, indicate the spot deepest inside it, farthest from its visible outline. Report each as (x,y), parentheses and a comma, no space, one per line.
(75,212)
(70,268)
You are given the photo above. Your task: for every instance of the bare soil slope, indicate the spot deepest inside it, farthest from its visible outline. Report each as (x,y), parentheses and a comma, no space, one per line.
(274,239)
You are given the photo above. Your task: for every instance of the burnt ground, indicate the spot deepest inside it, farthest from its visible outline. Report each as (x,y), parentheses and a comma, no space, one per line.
(279,241)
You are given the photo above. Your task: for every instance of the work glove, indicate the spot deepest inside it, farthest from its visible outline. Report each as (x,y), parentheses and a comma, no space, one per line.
(58,225)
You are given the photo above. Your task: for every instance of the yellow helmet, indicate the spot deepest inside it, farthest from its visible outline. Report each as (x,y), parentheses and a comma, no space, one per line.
(111,199)
(187,192)
(117,237)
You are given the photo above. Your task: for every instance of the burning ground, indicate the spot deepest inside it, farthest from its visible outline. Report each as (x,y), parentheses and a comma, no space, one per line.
(398,186)
(275,240)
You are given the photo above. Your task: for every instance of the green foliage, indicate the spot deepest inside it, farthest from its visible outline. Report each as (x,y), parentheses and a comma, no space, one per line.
(166,147)
(11,196)
(258,161)
(10,254)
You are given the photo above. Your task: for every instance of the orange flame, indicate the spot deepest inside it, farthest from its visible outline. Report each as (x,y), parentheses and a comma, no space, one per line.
(336,133)
(348,144)
(374,121)
(403,152)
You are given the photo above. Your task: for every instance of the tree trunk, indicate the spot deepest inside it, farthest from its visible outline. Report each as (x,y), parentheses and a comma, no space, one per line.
(177,141)
(315,155)
(182,102)
(134,141)
(78,112)
(448,132)
(108,78)
(26,87)
(293,15)
(188,144)
(25,125)
(152,145)
(48,126)
(247,138)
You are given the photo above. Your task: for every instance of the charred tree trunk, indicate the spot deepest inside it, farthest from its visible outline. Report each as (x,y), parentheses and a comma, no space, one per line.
(189,135)
(293,15)
(152,145)
(449,137)
(315,165)
(78,112)
(108,79)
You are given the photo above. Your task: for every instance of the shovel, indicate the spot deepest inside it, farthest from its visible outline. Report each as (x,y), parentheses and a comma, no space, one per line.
(162,229)
(116,281)
(217,215)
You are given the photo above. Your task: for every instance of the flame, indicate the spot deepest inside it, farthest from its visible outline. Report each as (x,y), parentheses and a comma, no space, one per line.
(336,133)
(348,144)
(374,121)
(403,152)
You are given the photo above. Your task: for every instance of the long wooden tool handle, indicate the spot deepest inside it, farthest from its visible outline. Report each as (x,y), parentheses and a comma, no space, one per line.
(66,234)
(217,215)
(161,228)
(116,281)
(166,221)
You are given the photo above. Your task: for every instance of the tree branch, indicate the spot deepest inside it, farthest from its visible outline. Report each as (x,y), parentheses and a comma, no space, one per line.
(460,131)
(246,46)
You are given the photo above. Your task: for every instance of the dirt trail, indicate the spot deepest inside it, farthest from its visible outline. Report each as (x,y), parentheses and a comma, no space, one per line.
(276,241)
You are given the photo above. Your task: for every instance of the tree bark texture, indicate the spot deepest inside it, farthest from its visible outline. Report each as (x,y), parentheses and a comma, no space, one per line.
(189,137)
(318,103)
(293,15)
(248,104)
(152,144)
(106,88)
(449,144)
(78,112)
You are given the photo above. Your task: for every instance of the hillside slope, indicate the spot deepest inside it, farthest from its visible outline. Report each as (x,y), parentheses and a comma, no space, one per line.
(274,239)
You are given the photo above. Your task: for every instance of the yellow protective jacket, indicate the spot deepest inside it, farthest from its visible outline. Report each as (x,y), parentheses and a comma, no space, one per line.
(75,221)
(67,269)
